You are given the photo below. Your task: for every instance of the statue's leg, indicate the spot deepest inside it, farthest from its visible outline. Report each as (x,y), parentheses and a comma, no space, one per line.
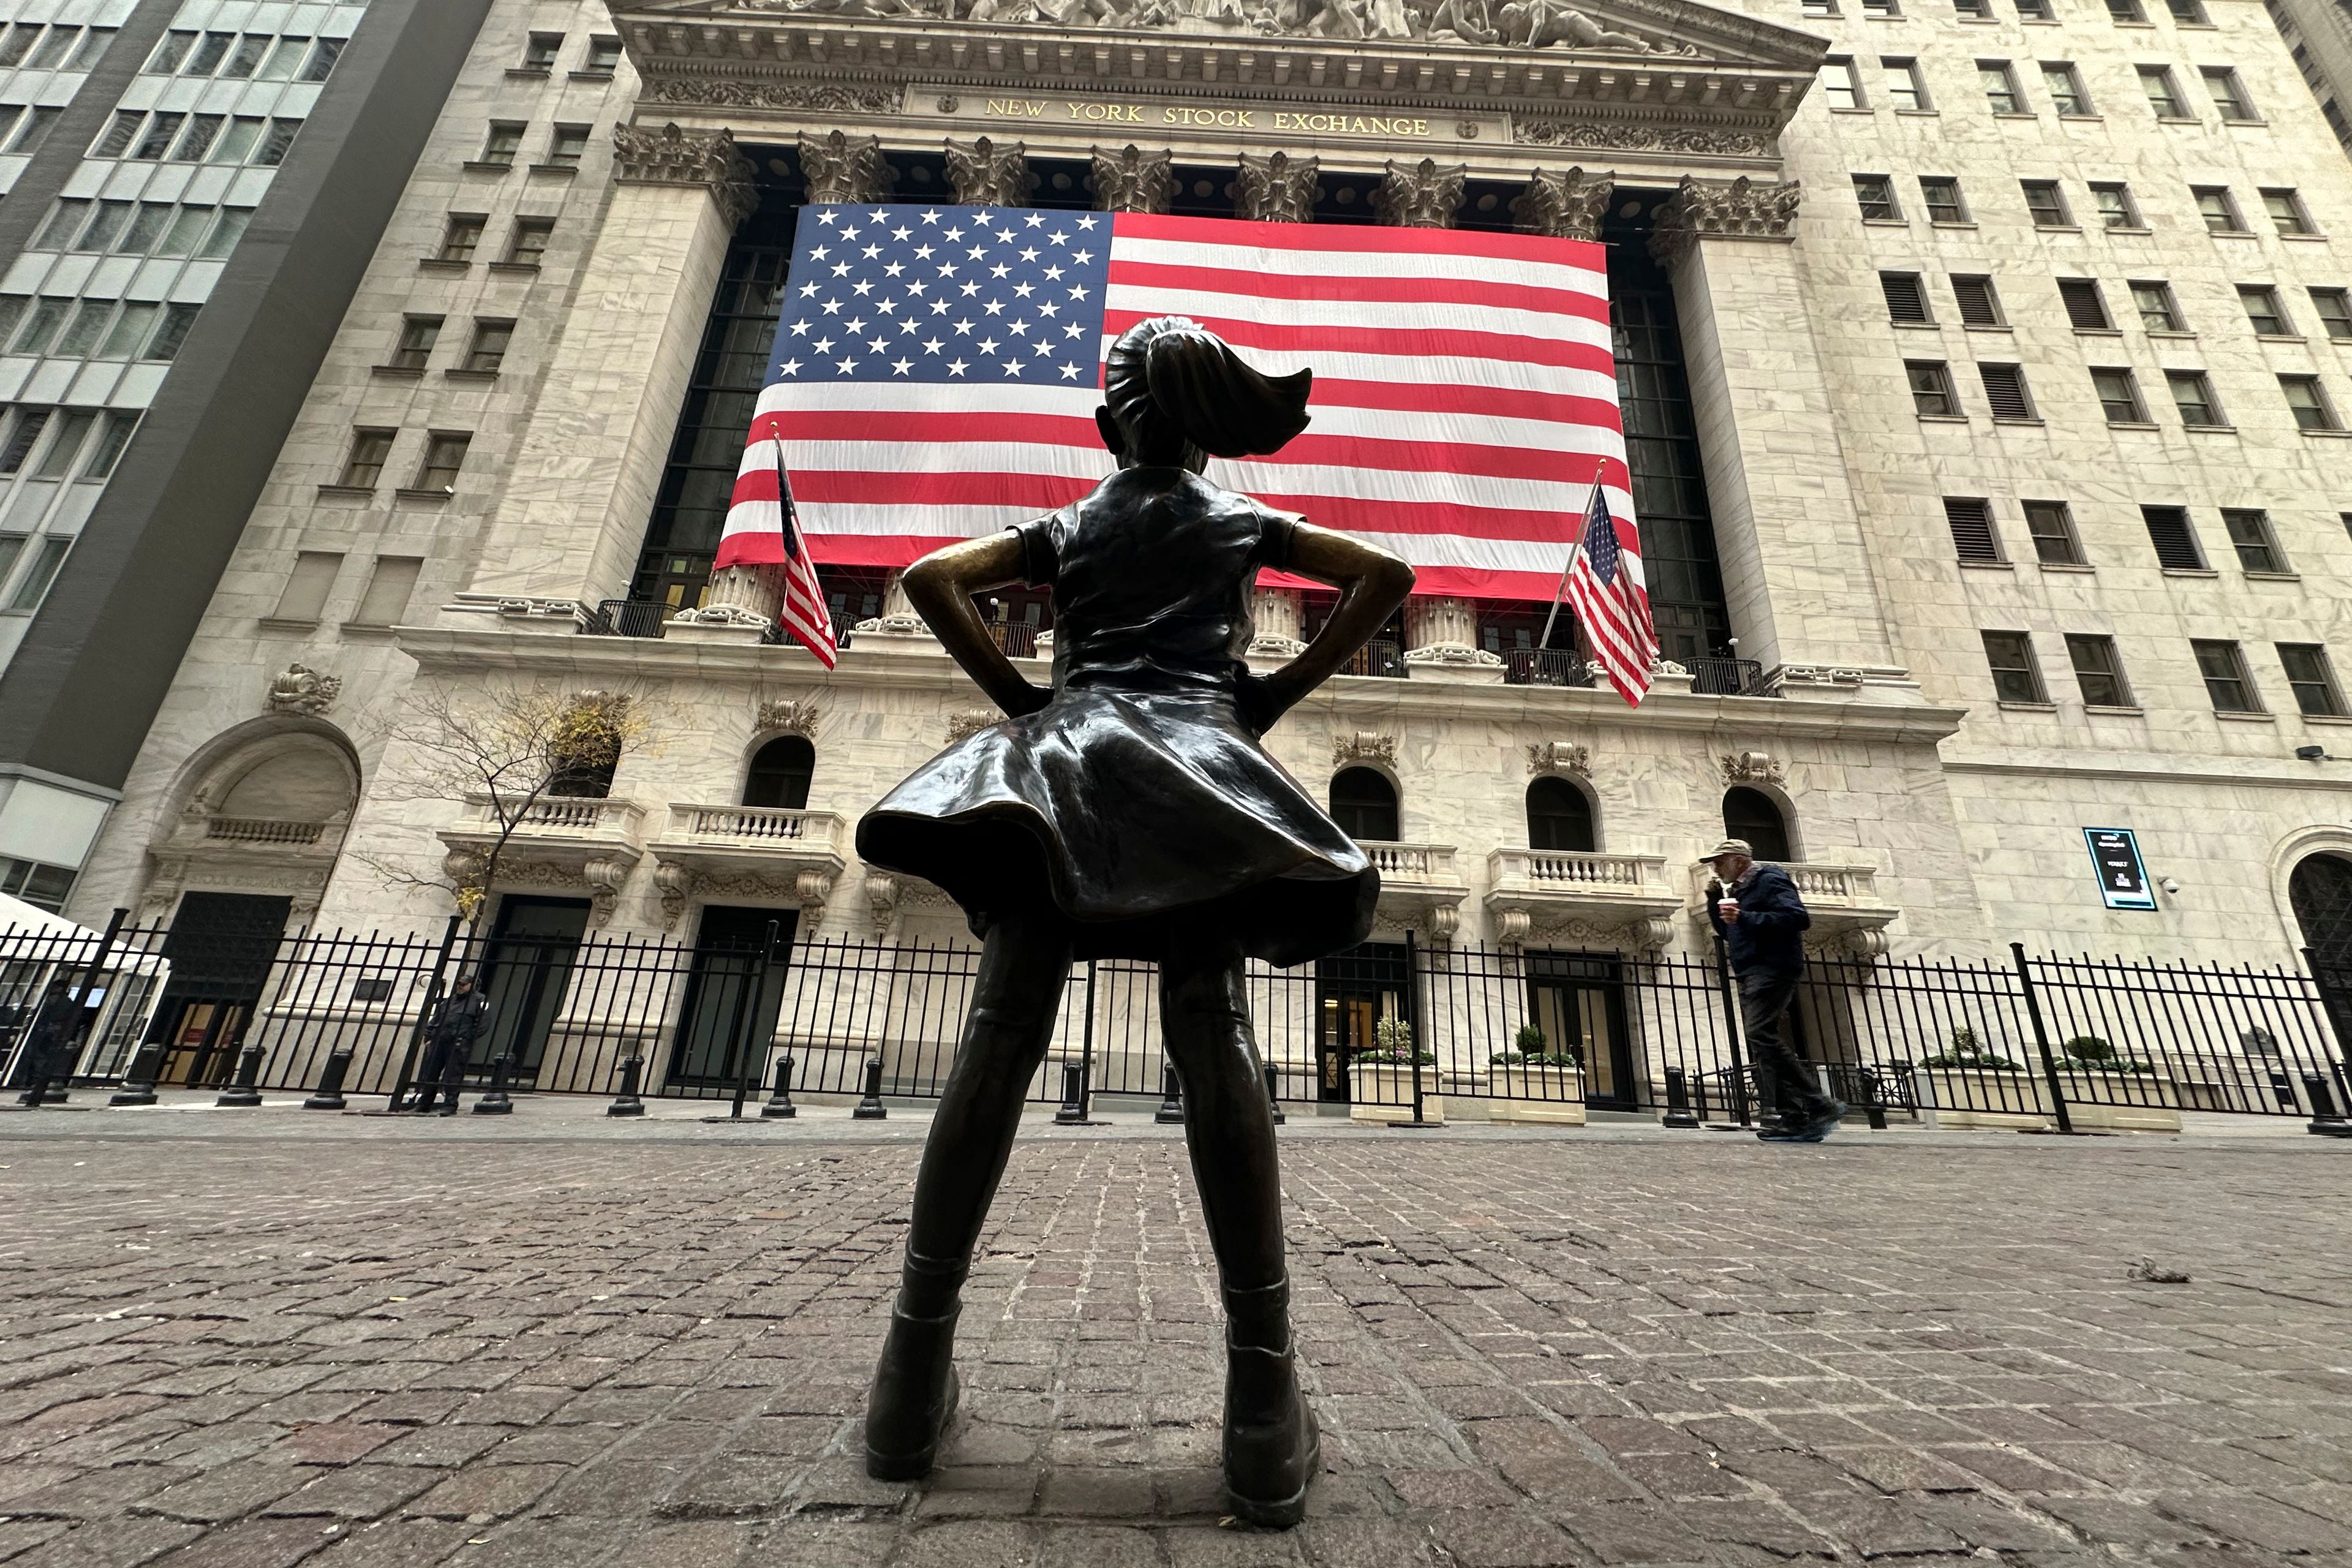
(1013,1004)
(1271,1448)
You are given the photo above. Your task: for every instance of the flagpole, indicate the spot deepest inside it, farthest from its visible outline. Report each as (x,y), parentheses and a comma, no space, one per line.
(1569,565)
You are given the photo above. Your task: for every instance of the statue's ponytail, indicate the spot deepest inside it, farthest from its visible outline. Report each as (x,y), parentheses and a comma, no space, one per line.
(1173,383)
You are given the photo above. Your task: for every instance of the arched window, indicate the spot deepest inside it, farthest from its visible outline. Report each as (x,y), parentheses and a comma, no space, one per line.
(2321,891)
(1558,817)
(780,774)
(1752,814)
(1364,804)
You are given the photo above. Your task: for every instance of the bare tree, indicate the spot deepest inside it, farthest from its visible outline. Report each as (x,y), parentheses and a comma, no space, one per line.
(514,749)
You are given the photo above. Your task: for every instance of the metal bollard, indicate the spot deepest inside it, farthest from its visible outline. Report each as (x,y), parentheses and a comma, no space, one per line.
(629,1102)
(243,1090)
(139,1083)
(1172,1100)
(1874,1102)
(1073,1111)
(871,1108)
(497,1102)
(1678,1105)
(2324,1121)
(1273,1099)
(780,1104)
(329,1096)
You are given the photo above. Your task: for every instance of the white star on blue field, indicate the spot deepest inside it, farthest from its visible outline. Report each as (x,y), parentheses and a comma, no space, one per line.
(944,294)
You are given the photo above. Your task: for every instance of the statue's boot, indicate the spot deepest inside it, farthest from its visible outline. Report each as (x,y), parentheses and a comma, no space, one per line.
(915,1386)
(1272,1450)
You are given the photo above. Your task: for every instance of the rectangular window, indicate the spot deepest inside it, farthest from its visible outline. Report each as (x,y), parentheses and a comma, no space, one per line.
(2006,390)
(2116,208)
(388,591)
(1906,89)
(2308,402)
(17,44)
(308,585)
(2086,308)
(82,333)
(1931,389)
(145,229)
(2046,204)
(2228,686)
(2033,10)
(2163,92)
(1979,305)
(203,130)
(71,214)
(418,334)
(2118,393)
(2175,538)
(12,550)
(461,238)
(131,330)
(567,146)
(188,226)
(2334,307)
(2229,94)
(2286,211)
(2051,526)
(162,129)
(111,443)
(489,350)
(170,50)
(2000,90)
(209,54)
(236,144)
(1876,194)
(2015,676)
(1884,9)
(108,222)
(54,49)
(1841,83)
(444,456)
(272,150)
(504,141)
(2192,394)
(283,60)
(2188,13)
(248,58)
(94,43)
(1818,7)
(35,129)
(319,63)
(30,423)
(538,55)
(529,242)
(2220,212)
(2063,83)
(2098,672)
(2154,301)
(226,233)
(364,466)
(178,321)
(604,55)
(115,139)
(41,324)
(2251,537)
(2312,679)
(1906,300)
(34,583)
(1941,194)
(2264,312)
(1970,520)
(73,428)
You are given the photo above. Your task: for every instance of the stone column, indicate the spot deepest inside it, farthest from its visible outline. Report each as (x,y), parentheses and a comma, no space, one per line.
(1796,565)
(844,168)
(1276,188)
(580,486)
(1280,617)
(1441,634)
(1419,196)
(1133,181)
(897,618)
(983,174)
(1564,206)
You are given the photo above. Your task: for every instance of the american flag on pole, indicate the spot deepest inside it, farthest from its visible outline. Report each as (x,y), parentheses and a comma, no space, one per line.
(805,613)
(937,370)
(1606,590)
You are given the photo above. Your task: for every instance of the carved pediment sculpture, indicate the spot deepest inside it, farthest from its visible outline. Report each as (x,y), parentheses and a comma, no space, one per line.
(1364,746)
(1754,767)
(1560,757)
(796,716)
(304,691)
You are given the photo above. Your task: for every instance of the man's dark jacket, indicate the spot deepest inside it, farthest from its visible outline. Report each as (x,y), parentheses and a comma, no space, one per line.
(1768,939)
(460,1020)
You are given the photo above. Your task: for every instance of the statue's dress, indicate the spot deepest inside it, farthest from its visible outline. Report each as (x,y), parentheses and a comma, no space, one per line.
(1136,799)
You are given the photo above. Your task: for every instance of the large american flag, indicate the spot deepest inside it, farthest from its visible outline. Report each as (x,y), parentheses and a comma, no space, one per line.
(1606,589)
(937,371)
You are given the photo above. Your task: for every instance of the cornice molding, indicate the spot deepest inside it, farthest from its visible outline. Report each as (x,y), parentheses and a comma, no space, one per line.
(671,156)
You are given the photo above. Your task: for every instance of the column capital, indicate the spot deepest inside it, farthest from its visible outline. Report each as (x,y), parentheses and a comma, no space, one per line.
(1564,206)
(1275,188)
(1133,181)
(1723,209)
(1419,196)
(987,173)
(669,156)
(844,168)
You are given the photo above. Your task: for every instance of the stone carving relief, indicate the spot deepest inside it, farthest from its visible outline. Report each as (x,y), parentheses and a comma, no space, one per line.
(796,716)
(738,92)
(1640,138)
(1524,24)
(986,174)
(1560,757)
(844,168)
(887,896)
(304,691)
(679,886)
(1419,196)
(1754,767)
(970,722)
(1364,746)
(1275,188)
(602,878)
(1565,206)
(1720,209)
(1133,181)
(1515,927)
(670,156)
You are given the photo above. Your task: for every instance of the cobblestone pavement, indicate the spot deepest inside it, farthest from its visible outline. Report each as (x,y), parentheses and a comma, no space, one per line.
(292,1343)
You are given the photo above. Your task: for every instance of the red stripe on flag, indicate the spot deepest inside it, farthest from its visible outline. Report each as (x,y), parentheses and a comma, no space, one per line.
(1564,300)
(1210,233)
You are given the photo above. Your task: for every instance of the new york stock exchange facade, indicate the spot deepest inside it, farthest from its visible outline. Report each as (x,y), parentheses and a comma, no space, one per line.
(1826,618)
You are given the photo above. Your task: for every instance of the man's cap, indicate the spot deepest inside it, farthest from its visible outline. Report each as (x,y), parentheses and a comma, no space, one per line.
(1732,846)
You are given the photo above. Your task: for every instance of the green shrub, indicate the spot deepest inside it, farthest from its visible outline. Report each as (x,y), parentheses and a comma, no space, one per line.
(1530,1040)
(2089,1048)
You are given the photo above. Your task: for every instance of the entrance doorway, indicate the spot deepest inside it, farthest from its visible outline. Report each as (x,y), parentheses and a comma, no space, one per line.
(220,947)
(1354,991)
(526,971)
(734,993)
(1577,1000)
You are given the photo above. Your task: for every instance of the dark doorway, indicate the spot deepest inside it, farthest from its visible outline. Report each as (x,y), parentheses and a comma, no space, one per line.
(526,971)
(781,773)
(1353,992)
(1559,817)
(1752,814)
(220,947)
(733,994)
(1579,1002)
(2321,891)
(1364,804)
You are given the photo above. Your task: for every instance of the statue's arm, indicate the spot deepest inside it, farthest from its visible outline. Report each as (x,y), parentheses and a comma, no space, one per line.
(1371,582)
(941,587)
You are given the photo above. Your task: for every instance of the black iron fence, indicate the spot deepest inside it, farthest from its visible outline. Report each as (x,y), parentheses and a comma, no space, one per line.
(1384,1030)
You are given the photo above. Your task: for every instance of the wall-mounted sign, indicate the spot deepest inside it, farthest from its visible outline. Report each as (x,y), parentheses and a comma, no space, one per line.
(2123,879)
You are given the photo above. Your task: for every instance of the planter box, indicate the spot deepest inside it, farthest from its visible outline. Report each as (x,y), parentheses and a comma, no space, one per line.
(2158,1098)
(1383,1093)
(1552,1095)
(1981,1097)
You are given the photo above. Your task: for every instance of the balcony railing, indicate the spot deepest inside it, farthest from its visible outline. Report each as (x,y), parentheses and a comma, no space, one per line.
(760,826)
(558,816)
(1412,864)
(1726,678)
(1576,871)
(627,618)
(262,830)
(1381,659)
(1545,667)
(1015,639)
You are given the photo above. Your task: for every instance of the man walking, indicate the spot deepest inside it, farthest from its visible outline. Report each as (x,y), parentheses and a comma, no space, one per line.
(1757,913)
(463,1017)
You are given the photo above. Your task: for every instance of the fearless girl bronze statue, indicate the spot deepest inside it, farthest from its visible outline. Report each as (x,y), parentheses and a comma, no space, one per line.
(1131,812)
